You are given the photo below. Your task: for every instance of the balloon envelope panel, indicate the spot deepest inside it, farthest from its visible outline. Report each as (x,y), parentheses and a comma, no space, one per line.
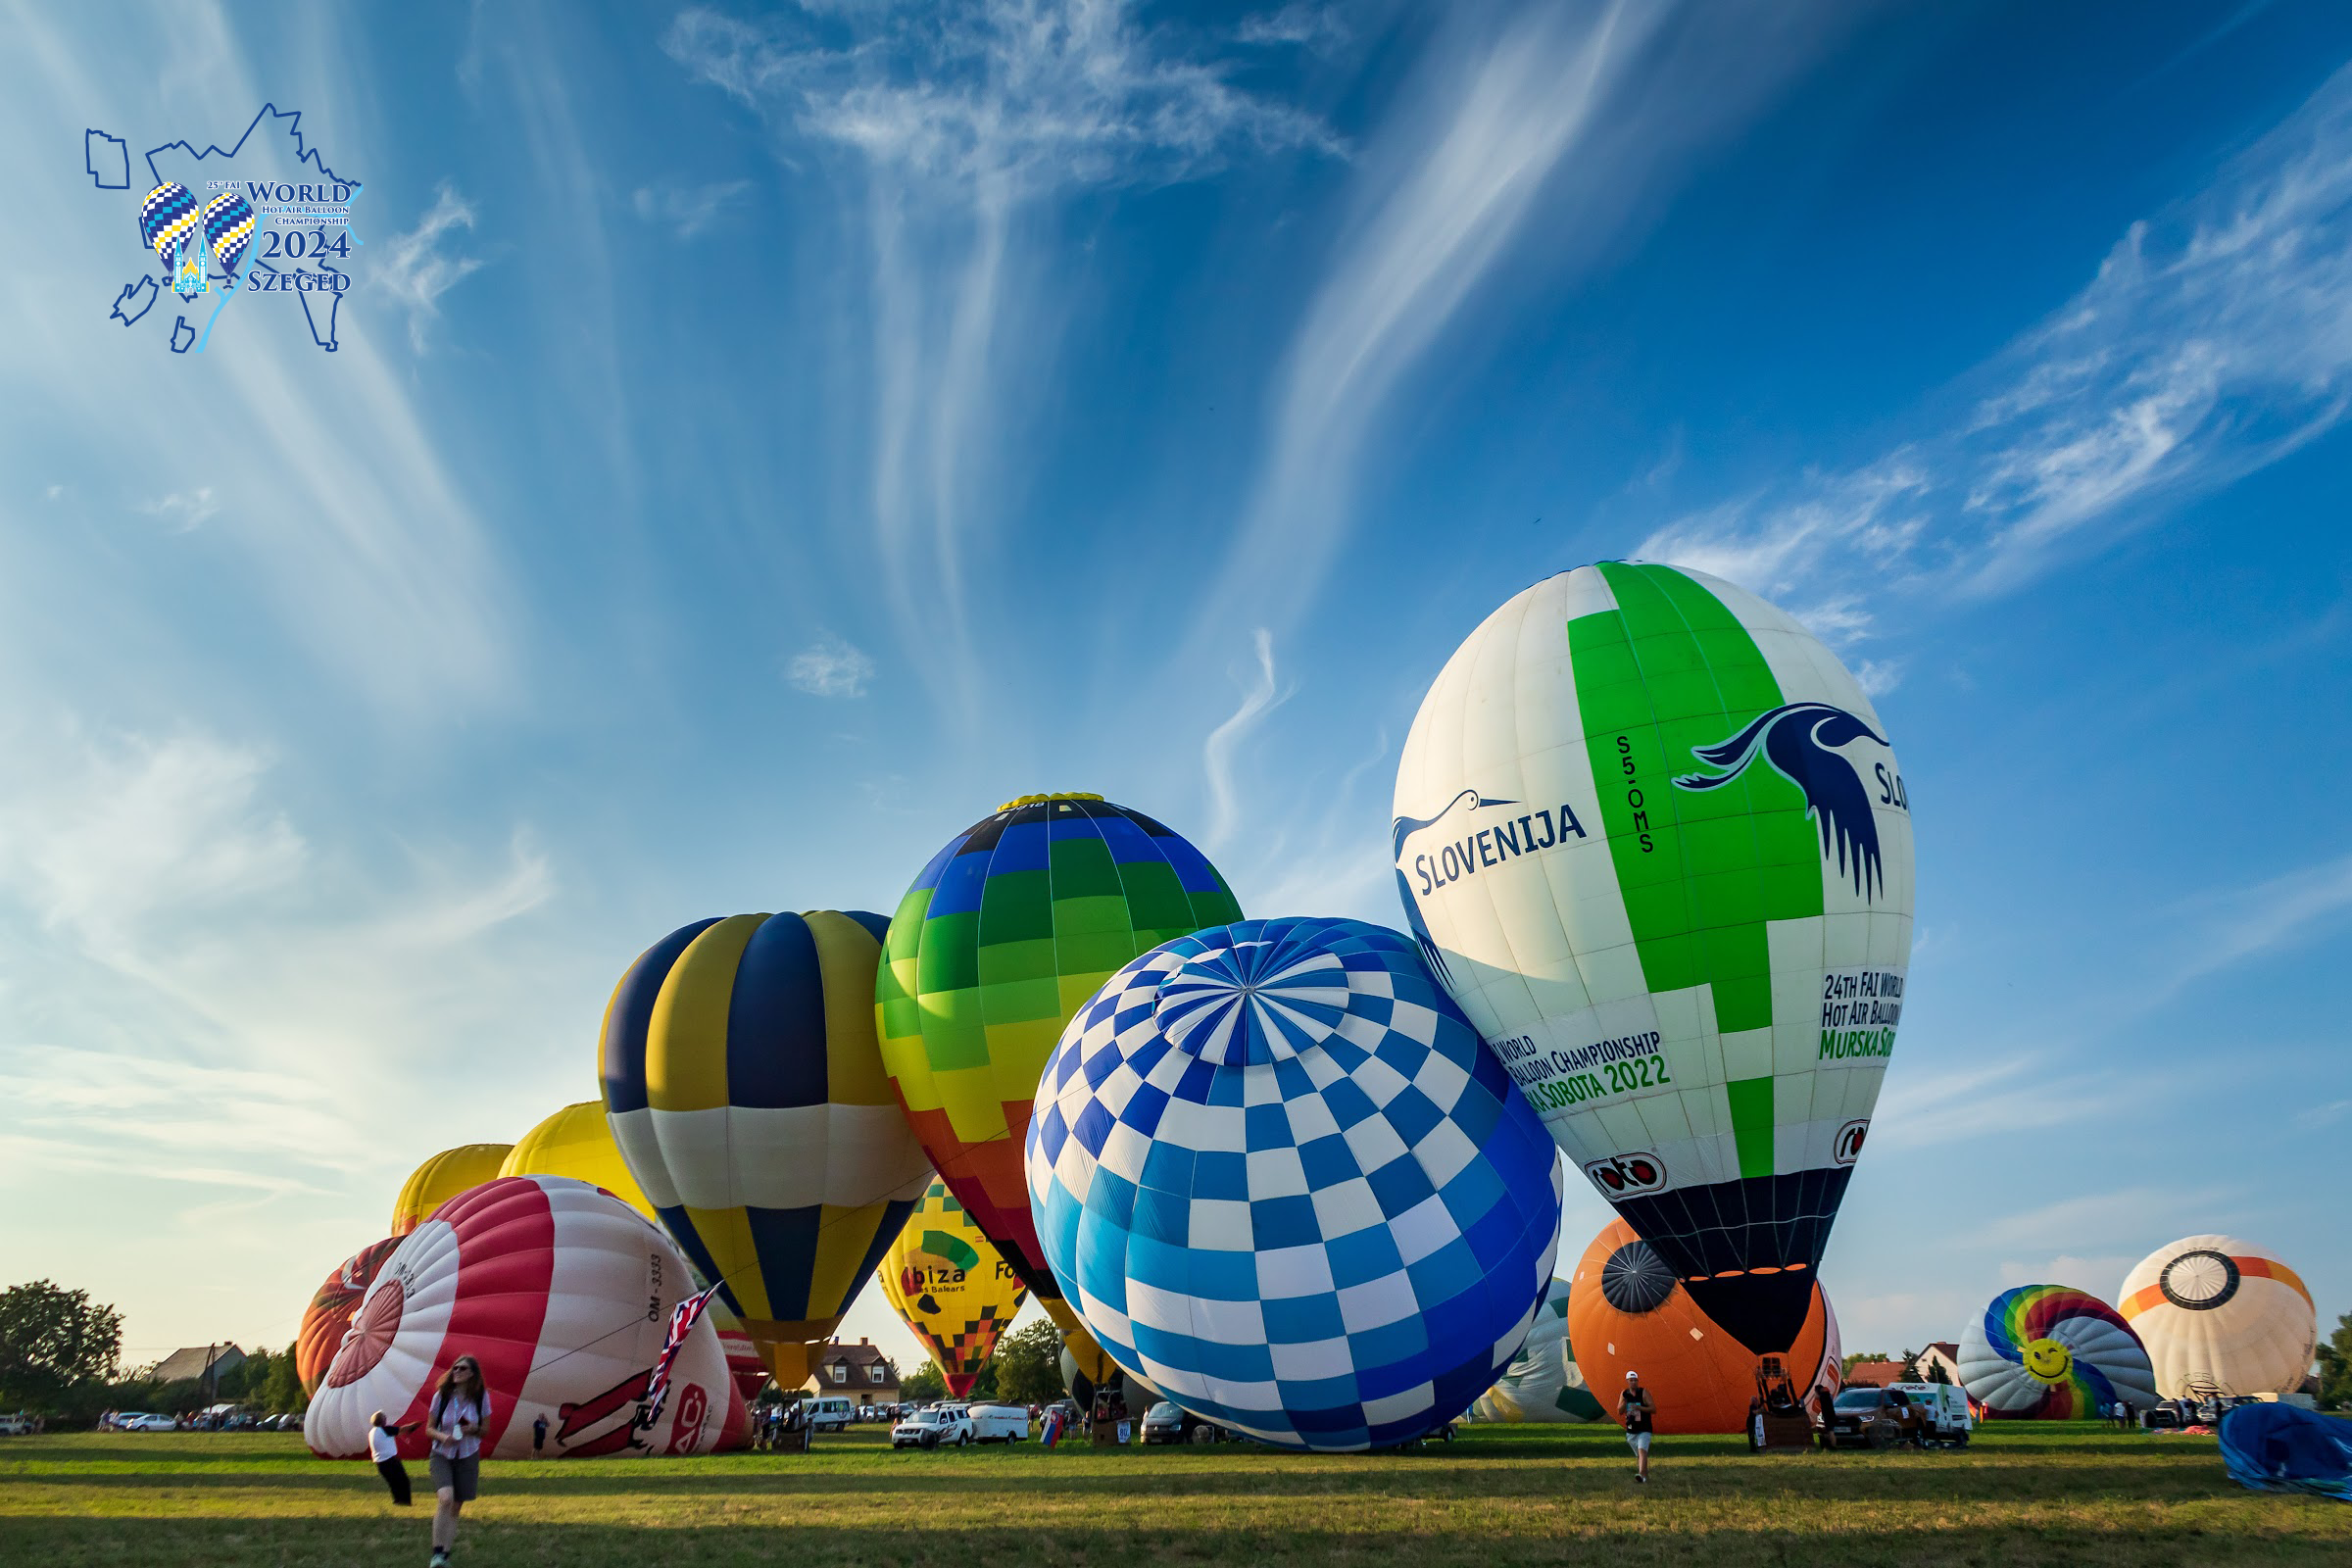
(1010,929)
(1284,1181)
(2049,1353)
(442,1178)
(563,1295)
(2221,1314)
(332,1309)
(1543,1383)
(1659,850)
(745,1089)
(1627,1312)
(951,1287)
(577,1142)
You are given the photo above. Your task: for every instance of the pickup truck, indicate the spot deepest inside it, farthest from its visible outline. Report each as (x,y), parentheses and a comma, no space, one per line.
(939,1426)
(1868,1418)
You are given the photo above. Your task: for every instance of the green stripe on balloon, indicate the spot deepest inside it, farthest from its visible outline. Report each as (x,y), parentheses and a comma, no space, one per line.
(1671,668)
(954,1249)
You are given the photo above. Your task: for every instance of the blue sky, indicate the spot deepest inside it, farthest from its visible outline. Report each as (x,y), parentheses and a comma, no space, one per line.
(760,442)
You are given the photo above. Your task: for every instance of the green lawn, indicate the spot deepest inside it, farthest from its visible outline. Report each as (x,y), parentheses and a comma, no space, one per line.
(2050,1495)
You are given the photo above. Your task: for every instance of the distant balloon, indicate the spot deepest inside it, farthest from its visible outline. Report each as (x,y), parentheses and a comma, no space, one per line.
(331,1311)
(1004,935)
(2049,1352)
(169,222)
(442,1178)
(1087,1369)
(1655,843)
(2220,1315)
(228,221)
(1628,1312)
(1283,1180)
(563,1295)
(951,1287)
(1542,1384)
(744,1086)
(577,1142)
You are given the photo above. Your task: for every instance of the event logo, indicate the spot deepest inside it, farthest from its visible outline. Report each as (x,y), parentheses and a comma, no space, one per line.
(1477,849)
(1627,1175)
(1800,741)
(273,218)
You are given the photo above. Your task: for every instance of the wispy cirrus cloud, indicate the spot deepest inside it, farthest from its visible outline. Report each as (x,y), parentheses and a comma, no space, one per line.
(954,121)
(1259,699)
(830,666)
(2214,339)
(420,267)
(687,210)
(182,510)
(2273,915)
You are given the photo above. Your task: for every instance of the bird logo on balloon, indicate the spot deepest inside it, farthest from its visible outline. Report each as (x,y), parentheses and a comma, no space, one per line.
(1800,741)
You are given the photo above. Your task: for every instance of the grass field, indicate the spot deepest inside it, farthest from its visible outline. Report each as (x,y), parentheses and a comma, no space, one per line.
(1501,1495)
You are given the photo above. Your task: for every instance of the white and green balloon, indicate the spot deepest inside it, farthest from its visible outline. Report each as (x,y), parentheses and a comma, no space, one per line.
(1652,836)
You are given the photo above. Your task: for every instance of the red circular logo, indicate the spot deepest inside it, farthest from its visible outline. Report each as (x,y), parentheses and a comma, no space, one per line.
(370,1337)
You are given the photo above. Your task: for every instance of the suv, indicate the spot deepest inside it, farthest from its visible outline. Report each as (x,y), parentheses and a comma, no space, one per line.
(1867,1417)
(940,1424)
(15,1425)
(1169,1422)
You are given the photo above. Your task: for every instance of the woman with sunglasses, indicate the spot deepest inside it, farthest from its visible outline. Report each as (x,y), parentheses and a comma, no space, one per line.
(459,1411)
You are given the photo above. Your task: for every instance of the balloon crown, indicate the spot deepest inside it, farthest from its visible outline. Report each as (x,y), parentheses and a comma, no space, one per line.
(1040,800)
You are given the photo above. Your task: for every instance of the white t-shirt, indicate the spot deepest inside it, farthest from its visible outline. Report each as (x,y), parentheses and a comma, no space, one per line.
(382,1444)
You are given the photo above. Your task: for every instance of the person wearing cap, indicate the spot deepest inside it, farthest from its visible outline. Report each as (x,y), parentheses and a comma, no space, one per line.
(1635,1412)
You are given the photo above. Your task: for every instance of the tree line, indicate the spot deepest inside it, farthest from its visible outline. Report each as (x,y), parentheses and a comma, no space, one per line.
(60,1356)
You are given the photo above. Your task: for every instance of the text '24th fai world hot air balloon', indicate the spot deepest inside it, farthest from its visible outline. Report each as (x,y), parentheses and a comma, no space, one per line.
(1005,934)
(745,1089)
(1652,836)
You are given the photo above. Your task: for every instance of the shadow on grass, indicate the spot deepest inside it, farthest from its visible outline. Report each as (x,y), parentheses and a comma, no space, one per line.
(490,1543)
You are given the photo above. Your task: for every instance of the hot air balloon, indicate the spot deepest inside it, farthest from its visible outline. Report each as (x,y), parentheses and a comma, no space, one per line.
(1628,1312)
(563,1294)
(442,1178)
(170,221)
(2221,1316)
(1542,1384)
(1655,842)
(2059,1354)
(1283,1182)
(577,1142)
(228,221)
(331,1311)
(951,1287)
(1004,934)
(742,1082)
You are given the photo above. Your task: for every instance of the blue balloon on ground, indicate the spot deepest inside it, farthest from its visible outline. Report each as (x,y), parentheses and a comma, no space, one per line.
(2278,1447)
(1281,1180)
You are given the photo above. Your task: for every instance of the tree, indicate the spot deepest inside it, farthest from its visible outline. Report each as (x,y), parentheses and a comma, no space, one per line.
(1028,1364)
(2336,1366)
(284,1392)
(922,1385)
(51,1339)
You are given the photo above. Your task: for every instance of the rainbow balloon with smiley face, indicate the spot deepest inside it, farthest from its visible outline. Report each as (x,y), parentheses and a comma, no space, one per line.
(2054,1353)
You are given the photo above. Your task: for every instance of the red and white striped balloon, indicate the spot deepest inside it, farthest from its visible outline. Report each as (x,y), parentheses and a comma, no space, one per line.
(563,1293)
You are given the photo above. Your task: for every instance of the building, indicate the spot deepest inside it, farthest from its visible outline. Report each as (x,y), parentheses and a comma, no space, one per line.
(860,1370)
(1875,1374)
(1943,1353)
(193,1362)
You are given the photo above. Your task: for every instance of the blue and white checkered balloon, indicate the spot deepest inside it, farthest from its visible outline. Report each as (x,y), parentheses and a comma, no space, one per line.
(1281,1178)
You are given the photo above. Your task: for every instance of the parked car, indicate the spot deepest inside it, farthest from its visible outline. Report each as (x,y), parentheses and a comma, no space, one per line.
(1166,1422)
(143,1423)
(16,1424)
(829,1413)
(1866,1417)
(939,1425)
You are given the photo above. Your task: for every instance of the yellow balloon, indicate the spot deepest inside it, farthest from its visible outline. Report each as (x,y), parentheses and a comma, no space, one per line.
(577,1142)
(442,1178)
(951,1287)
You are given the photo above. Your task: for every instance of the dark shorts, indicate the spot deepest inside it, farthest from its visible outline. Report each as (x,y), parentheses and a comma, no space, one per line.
(463,1477)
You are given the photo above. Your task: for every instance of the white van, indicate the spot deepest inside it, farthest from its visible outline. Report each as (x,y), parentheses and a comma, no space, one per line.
(829,1413)
(999,1423)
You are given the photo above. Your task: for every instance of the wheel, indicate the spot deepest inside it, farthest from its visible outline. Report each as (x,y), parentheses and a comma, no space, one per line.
(1881,1435)
(1202,1437)
(930,1440)
(964,1440)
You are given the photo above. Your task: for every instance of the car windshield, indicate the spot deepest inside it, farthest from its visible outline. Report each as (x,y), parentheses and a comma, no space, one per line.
(1859,1400)
(1163,1411)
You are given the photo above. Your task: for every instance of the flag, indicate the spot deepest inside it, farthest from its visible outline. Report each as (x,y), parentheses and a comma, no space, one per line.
(682,1319)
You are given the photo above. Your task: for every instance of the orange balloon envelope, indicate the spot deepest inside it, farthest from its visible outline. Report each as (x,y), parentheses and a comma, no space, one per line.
(1628,1312)
(329,1316)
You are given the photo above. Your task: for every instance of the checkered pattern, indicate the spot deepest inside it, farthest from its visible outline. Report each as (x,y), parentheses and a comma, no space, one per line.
(1281,1179)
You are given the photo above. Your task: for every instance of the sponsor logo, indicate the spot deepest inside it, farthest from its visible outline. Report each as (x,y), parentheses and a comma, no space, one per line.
(1848,1145)
(1627,1175)
(1800,741)
(686,1427)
